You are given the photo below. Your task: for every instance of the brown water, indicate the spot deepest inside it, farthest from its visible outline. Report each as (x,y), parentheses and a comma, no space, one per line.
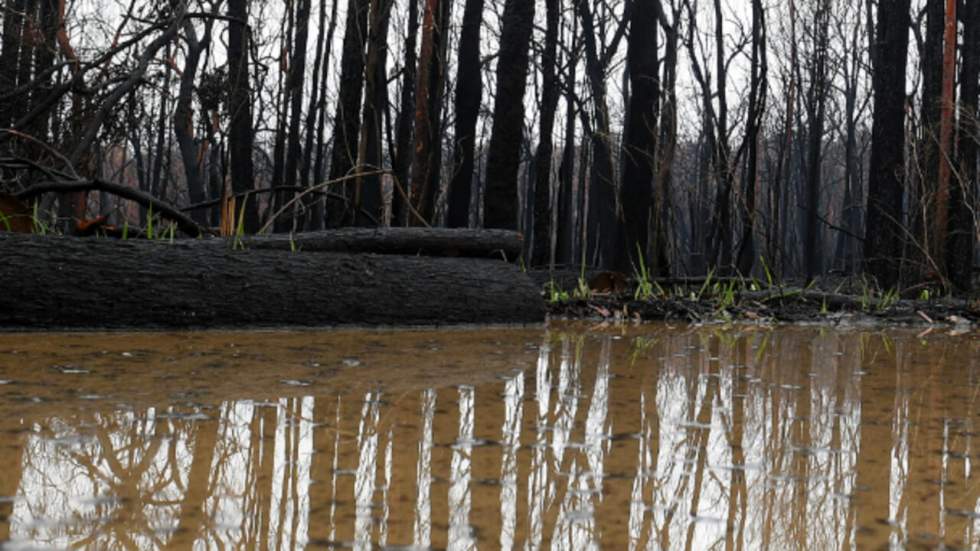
(568,438)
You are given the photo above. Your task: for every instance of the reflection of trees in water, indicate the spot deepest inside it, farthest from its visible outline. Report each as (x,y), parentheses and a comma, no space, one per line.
(367,470)
(423,501)
(511,442)
(103,481)
(762,440)
(460,499)
(147,481)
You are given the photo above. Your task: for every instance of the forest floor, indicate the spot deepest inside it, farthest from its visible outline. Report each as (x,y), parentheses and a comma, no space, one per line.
(842,301)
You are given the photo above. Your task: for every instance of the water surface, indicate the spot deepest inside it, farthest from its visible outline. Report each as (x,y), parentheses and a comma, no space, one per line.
(567,438)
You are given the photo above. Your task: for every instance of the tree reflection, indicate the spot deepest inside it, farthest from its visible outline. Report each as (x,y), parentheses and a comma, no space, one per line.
(703,439)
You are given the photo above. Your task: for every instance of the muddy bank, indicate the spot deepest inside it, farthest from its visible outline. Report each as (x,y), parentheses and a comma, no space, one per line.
(607,296)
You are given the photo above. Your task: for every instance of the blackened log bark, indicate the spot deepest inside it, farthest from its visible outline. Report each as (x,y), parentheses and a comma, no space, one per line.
(241,138)
(884,236)
(452,242)
(545,152)
(963,187)
(347,122)
(406,118)
(639,149)
(294,91)
(469,95)
(192,286)
(504,155)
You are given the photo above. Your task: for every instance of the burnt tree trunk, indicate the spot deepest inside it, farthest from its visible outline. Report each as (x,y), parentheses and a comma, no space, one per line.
(294,98)
(241,137)
(191,154)
(77,283)
(758,95)
(318,90)
(885,236)
(601,224)
(816,108)
(318,213)
(639,149)
(347,123)
(367,192)
(12,22)
(504,155)
(426,167)
(541,243)
(406,120)
(44,57)
(923,196)
(567,197)
(469,92)
(963,188)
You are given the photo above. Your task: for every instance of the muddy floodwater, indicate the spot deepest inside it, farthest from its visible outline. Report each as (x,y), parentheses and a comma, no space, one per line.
(566,437)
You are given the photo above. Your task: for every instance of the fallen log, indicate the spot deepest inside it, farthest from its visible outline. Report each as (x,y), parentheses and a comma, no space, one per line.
(499,244)
(64,282)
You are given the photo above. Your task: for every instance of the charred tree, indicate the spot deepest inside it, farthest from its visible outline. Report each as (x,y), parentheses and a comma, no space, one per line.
(602,223)
(963,187)
(13,21)
(25,60)
(639,149)
(758,95)
(923,196)
(347,122)
(816,111)
(192,155)
(294,96)
(550,95)
(567,197)
(426,166)
(312,145)
(406,119)
(44,58)
(241,136)
(946,130)
(469,95)
(318,213)
(504,155)
(884,236)
(367,192)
